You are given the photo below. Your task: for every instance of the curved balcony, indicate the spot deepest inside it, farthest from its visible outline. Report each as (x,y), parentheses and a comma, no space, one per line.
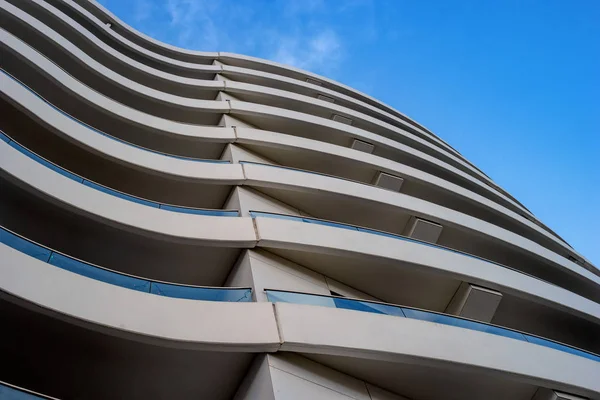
(257,93)
(242,132)
(426,356)
(29,101)
(131,307)
(315,156)
(52,84)
(420,275)
(116,193)
(248,176)
(174,107)
(276,296)
(384,210)
(106,24)
(69,336)
(94,18)
(106,275)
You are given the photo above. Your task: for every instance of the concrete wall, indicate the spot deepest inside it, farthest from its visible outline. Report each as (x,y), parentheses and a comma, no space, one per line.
(262,270)
(291,377)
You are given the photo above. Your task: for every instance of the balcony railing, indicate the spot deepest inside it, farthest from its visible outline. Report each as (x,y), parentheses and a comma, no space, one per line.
(113,192)
(79,267)
(11,392)
(280,296)
(317,221)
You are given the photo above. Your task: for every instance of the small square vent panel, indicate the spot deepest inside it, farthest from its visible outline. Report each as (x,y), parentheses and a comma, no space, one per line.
(341,119)
(474,302)
(421,229)
(325,98)
(388,181)
(362,146)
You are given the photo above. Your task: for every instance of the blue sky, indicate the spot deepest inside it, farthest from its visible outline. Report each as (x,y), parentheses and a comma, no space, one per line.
(513,85)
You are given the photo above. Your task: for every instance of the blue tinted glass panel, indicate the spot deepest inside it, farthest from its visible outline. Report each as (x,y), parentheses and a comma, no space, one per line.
(327,223)
(48,164)
(197,211)
(277,216)
(24,246)
(561,347)
(4,138)
(193,159)
(390,235)
(300,298)
(100,274)
(119,194)
(366,306)
(9,393)
(462,323)
(197,293)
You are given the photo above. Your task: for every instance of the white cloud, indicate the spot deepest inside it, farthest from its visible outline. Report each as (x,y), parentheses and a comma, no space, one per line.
(142,10)
(321,52)
(285,32)
(193,24)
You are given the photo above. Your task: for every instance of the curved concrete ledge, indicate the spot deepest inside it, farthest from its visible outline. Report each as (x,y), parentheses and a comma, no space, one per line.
(117,150)
(126,42)
(147,121)
(190,66)
(245,108)
(106,16)
(166,125)
(223,106)
(113,149)
(219,231)
(193,324)
(451,156)
(101,47)
(111,76)
(309,89)
(232,86)
(269,176)
(151,161)
(279,140)
(263,175)
(190,54)
(322,330)
(292,235)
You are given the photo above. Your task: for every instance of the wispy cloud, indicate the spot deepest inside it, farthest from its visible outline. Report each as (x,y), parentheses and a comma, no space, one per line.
(320,51)
(142,10)
(292,32)
(193,23)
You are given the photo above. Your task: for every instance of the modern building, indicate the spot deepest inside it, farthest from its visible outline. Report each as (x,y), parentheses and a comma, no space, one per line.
(188,225)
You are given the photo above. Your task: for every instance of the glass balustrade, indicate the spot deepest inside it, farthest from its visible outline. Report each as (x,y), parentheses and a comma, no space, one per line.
(112,192)
(119,279)
(276,296)
(9,392)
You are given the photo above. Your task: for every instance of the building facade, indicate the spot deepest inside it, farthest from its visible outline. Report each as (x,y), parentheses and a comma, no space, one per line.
(188,225)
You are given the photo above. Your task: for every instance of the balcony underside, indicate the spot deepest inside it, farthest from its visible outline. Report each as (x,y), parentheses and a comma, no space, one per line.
(58,226)
(54,357)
